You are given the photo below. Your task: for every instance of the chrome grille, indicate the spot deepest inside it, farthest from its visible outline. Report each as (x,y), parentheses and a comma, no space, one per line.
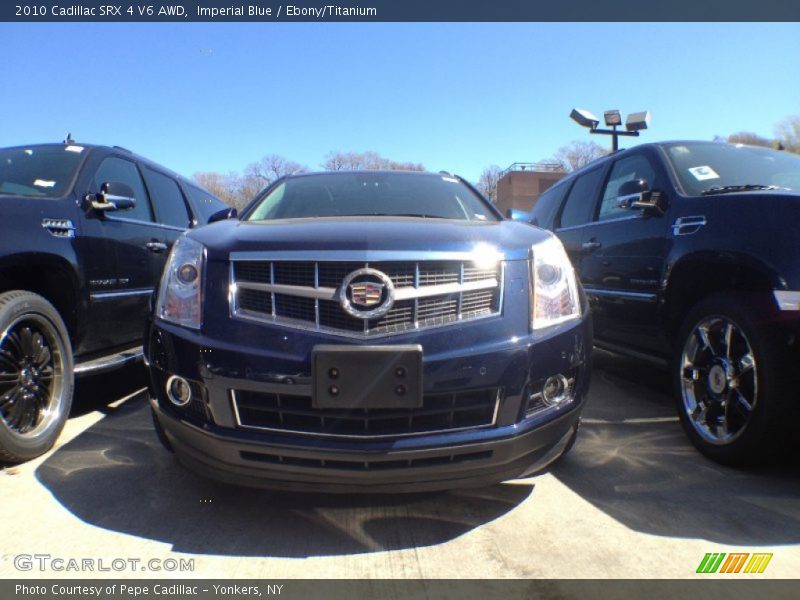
(304,293)
(295,414)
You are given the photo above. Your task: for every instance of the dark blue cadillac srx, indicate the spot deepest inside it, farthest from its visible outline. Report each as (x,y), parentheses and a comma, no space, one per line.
(373,331)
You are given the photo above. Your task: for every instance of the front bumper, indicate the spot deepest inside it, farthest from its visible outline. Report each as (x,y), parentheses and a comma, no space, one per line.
(208,438)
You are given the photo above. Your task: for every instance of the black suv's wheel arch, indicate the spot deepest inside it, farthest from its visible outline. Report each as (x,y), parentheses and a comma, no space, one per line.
(52,278)
(701,274)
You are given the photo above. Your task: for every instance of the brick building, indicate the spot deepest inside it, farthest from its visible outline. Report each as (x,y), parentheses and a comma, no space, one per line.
(521,184)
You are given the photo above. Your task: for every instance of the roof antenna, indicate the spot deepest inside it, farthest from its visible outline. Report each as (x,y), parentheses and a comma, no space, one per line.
(69,139)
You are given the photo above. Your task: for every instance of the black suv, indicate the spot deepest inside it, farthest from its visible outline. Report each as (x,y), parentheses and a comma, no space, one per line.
(84,236)
(688,253)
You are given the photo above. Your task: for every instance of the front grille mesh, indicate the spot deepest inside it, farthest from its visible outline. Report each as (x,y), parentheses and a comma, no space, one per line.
(295,414)
(294,308)
(366,465)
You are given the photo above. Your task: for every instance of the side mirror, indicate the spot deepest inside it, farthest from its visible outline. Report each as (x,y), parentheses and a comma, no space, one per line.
(113,196)
(517,215)
(637,195)
(221,215)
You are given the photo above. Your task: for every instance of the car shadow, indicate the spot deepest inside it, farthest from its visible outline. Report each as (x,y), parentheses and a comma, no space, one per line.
(116,475)
(634,462)
(96,392)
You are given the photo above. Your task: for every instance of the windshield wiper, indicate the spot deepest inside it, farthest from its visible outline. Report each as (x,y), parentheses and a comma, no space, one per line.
(420,215)
(727,189)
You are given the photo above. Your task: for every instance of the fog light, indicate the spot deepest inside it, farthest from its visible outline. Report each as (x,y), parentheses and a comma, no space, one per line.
(179,391)
(555,390)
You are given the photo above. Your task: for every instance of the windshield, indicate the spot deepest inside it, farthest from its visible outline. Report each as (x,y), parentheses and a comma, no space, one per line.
(38,171)
(703,166)
(372,194)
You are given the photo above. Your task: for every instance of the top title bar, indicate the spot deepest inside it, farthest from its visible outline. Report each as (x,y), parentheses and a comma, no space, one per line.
(399,10)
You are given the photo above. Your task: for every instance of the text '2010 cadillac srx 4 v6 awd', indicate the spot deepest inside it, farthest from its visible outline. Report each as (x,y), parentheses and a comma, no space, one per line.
(373,331)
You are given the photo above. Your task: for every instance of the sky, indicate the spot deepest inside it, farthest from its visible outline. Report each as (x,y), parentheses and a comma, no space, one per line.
(456,97)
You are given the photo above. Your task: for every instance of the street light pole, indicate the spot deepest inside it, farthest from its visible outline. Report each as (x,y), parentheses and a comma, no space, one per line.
(615,135)
(633,125)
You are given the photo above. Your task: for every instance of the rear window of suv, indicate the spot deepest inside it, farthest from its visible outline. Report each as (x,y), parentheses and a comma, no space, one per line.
(39,171)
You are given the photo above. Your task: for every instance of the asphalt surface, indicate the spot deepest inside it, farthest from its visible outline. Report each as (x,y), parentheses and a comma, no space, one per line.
(632,500)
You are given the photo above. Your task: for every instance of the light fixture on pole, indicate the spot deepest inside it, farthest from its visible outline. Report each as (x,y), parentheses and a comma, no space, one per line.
(635,123)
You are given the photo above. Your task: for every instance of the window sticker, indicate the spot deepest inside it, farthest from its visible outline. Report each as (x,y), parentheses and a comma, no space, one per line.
(46,183)
(74,149)
(703,173)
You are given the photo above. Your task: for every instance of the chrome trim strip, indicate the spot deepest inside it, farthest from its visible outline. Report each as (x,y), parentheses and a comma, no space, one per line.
(362,255)
(642,296)
(148,223)
(360,335)
(460,282)
(404,293)
(624,351)
(120,294)
(600,222)
(408,293)
(109,362)
(364,437)
(322,293)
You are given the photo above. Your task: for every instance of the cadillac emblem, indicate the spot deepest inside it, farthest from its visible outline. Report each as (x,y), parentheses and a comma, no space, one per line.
(366,294)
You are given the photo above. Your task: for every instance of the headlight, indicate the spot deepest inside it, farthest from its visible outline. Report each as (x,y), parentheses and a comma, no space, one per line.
(554,290)
(180,298)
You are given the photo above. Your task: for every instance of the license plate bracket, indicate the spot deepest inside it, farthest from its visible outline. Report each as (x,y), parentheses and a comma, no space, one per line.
(367,376)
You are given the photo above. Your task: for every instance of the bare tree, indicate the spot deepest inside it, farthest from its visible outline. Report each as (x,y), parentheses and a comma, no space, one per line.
(788,134)
(260,174)
(487,184)
(751,139)
(225,186)
(578,154)
(366,161)
(237,189)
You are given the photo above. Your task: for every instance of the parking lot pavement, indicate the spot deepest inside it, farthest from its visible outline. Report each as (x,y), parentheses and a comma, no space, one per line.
(632,499)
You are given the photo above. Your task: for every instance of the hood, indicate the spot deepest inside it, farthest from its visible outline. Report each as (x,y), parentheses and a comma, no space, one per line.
(393,234)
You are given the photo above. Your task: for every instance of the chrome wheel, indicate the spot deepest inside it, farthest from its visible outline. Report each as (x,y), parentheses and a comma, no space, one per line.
(719,380)
(31,376)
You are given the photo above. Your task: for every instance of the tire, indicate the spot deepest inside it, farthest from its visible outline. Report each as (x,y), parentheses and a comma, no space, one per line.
(36,377)
(731,379)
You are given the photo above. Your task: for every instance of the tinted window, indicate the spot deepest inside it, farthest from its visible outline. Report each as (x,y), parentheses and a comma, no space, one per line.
(626,169)
(119,170)
(167,199)
(547,205)
(204,203)
(38,171)
(372,194)
(578,208)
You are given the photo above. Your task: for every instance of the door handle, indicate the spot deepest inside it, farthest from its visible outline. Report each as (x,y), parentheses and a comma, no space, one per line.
(591,246)
(156,246)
